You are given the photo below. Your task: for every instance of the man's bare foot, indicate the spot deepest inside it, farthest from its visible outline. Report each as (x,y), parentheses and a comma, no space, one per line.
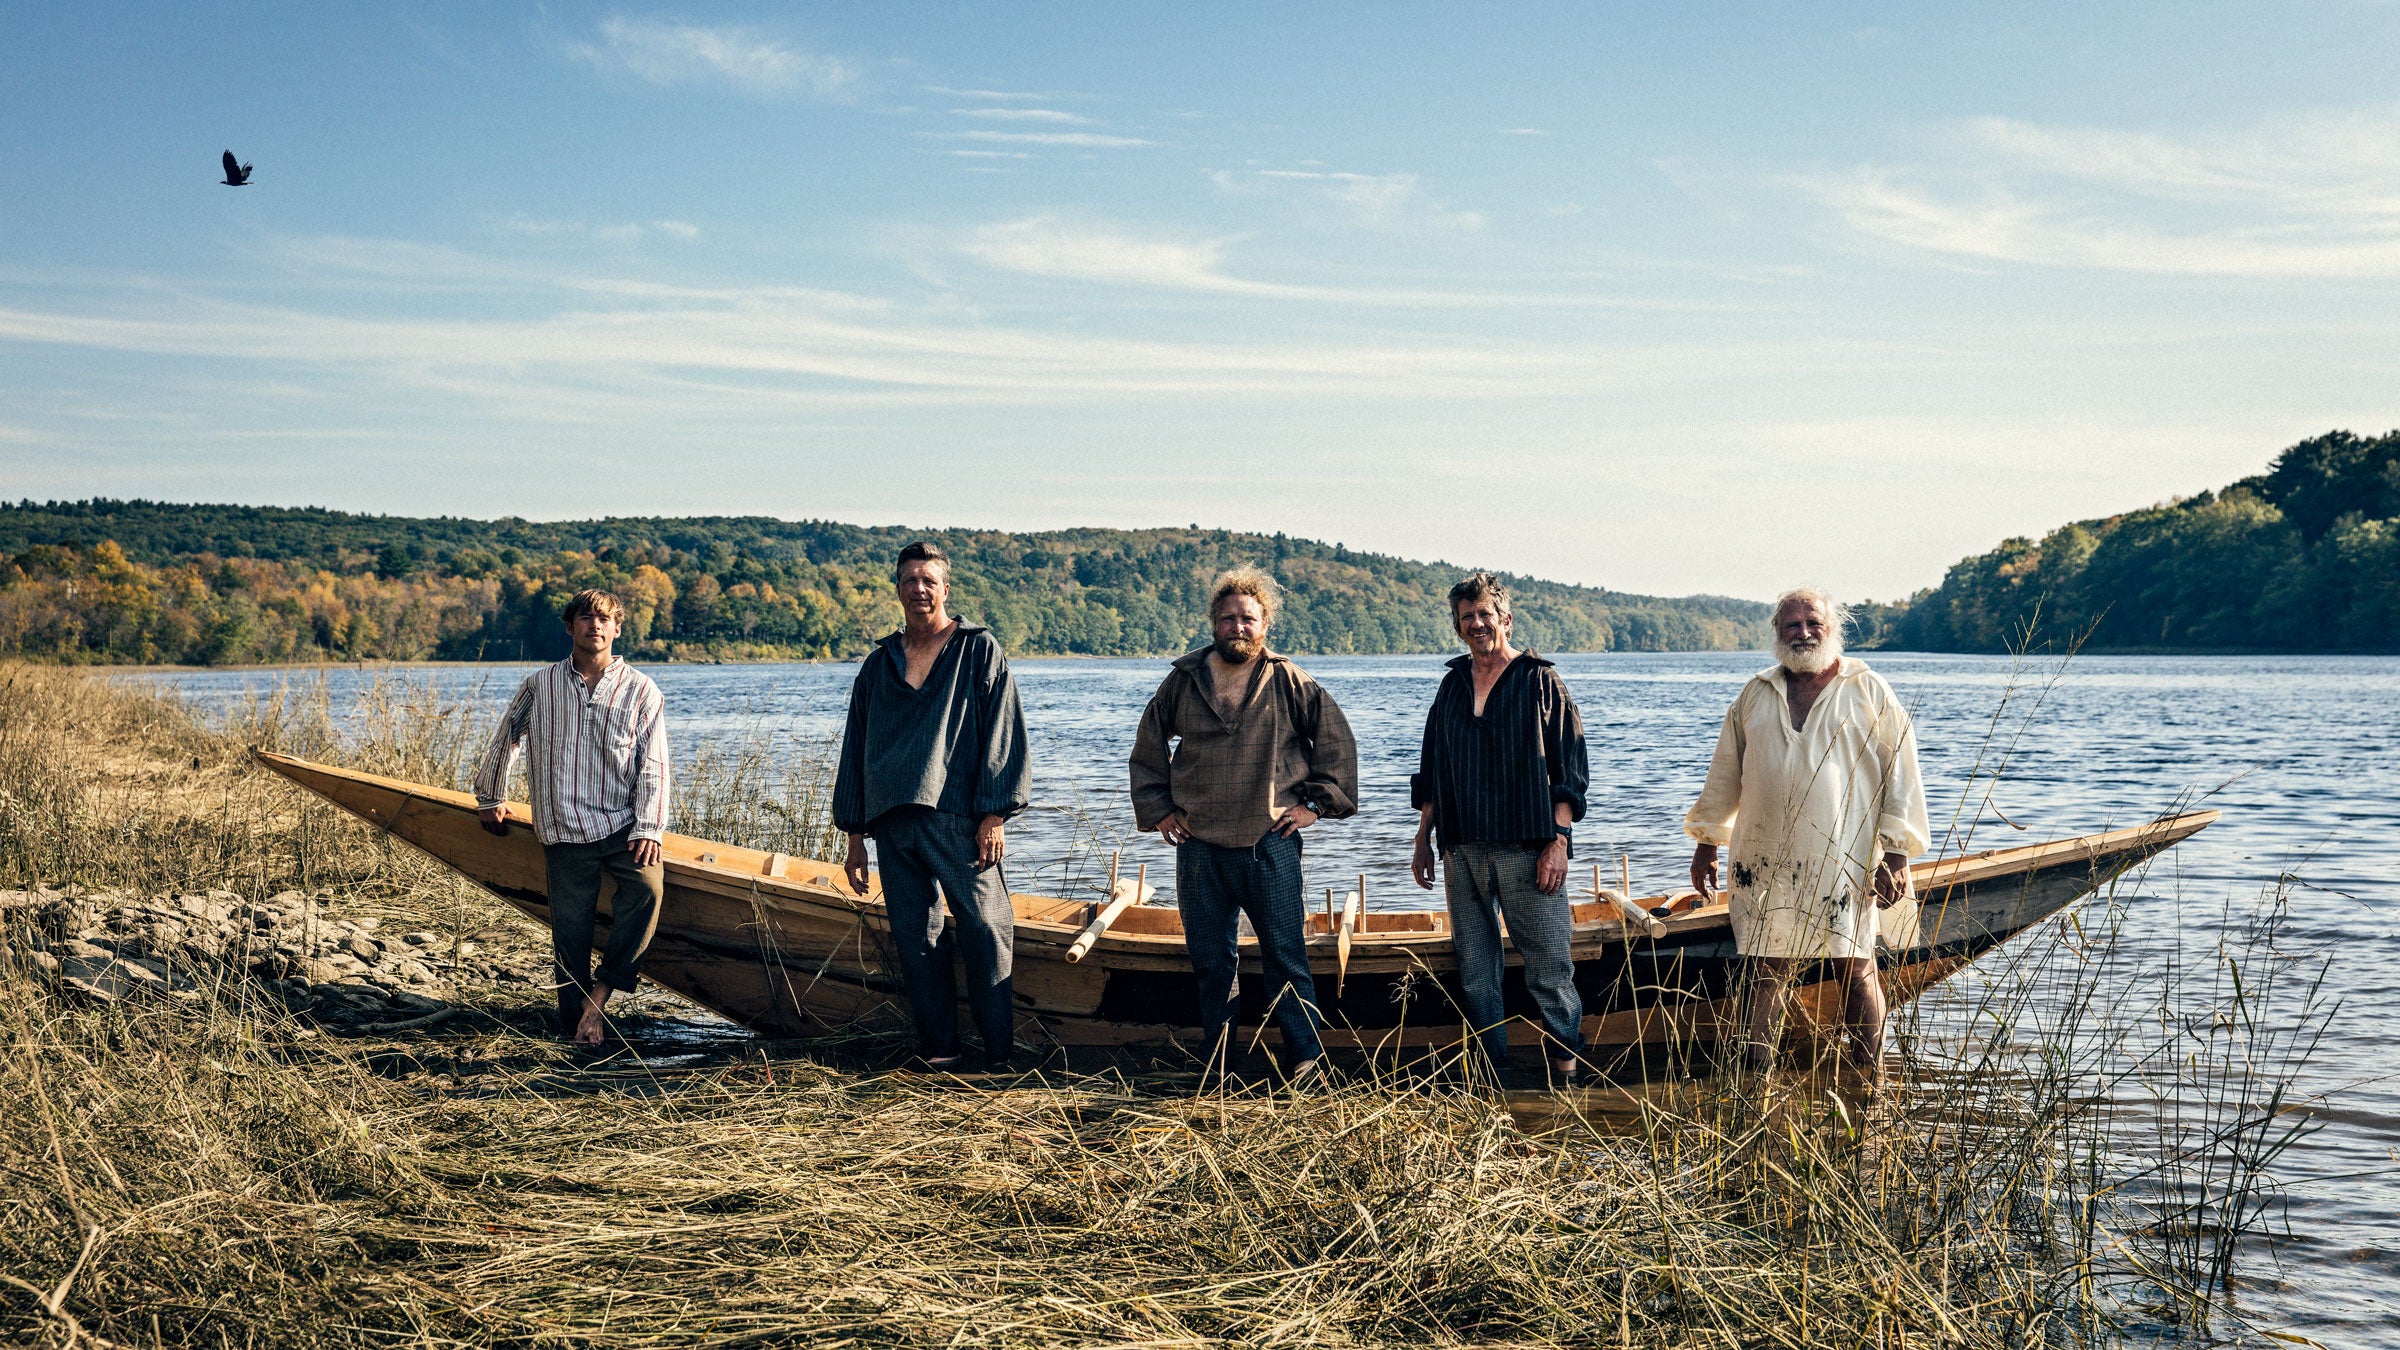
(591,1028)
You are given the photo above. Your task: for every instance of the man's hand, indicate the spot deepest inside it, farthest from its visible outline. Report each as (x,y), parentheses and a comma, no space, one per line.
(1891,880)
(1550,872)
(646,853)
(1295,819)
(854,864)
(1704,872)
(1174,829)
(991,844)
(495,819)
(1420,864)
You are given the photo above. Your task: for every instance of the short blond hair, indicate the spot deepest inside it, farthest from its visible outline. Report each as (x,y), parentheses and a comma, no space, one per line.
(1250,581)
(594,601)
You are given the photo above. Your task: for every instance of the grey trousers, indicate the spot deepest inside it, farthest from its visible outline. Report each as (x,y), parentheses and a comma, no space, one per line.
(575,873)
(1481,882)
(917,848)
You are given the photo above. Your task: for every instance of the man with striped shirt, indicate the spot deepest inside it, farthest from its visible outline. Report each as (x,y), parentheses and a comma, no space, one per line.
(1499,785)
(595,731)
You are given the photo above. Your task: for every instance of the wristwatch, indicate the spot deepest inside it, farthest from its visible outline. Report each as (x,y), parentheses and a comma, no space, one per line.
(1566,832)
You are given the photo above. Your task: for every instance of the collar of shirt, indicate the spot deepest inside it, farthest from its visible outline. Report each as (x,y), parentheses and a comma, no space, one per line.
(1466,660)
(591,692)
(1194,664)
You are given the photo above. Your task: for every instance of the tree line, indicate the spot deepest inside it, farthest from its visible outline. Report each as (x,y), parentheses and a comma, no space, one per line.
(2303,558)
(153,582)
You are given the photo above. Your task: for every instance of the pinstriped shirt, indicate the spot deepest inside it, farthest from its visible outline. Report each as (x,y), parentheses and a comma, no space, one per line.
(1497,778)
(596,755)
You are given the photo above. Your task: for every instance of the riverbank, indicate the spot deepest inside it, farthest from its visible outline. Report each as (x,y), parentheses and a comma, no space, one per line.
(218,1158)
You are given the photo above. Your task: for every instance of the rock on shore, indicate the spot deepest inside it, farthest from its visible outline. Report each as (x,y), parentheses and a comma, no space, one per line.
(110,945)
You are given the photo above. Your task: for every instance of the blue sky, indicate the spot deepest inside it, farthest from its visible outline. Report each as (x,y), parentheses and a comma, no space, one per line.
(1665,298)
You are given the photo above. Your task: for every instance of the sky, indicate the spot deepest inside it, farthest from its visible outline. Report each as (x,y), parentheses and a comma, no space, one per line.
(1666,298)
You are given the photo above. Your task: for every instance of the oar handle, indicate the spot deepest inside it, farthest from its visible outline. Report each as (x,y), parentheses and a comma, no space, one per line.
(1084,941)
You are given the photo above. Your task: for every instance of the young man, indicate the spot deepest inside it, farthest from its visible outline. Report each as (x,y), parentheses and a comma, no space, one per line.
(1260,753)
(595,730)
(933,765)
(1815,788)
(1499,784)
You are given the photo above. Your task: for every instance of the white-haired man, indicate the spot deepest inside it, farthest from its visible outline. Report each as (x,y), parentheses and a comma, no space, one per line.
(1814,788)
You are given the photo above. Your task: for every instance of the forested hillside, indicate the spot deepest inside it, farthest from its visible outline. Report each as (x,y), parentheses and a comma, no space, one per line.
(2304,557)
(157,582)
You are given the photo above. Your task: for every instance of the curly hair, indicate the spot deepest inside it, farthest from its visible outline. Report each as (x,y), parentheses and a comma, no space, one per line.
(1250,581)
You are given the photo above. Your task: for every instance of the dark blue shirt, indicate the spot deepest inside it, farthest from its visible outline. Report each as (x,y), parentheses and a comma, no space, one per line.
(1496,779)
(957,744)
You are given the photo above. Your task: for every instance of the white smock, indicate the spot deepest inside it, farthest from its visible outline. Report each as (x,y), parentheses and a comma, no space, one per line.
(1804,816)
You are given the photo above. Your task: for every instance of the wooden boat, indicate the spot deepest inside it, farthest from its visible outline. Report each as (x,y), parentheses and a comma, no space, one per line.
(779,944)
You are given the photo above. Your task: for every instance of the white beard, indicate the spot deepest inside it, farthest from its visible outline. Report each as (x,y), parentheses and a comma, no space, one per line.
(1814,660)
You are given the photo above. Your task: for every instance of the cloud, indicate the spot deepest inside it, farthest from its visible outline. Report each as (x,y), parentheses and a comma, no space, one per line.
(1088,139)
(1381,201)
(2310,197)
(742,58)
(592,348)
(622,232)
(1024,115)
(1046,246)
(997,95)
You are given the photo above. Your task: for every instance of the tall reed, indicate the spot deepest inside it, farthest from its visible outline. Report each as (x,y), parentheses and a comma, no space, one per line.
(212,1172)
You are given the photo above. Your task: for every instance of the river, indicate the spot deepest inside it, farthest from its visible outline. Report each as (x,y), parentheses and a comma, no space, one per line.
(2302,754)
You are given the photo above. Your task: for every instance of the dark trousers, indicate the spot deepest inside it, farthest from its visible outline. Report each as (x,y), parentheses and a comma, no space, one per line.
(917,848)
(575,874)
(1214,886)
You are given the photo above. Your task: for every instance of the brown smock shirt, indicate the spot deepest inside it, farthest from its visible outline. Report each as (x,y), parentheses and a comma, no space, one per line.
(1232,774)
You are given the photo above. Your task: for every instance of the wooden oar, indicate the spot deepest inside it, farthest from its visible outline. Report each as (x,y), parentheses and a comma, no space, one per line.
(1353,905)
(1633,915)
(1118,900)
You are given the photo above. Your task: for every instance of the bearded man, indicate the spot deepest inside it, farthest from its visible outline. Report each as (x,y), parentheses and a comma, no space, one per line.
(1259,753)
(1815,788)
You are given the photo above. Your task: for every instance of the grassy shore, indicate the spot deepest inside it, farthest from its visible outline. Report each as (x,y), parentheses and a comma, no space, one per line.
(214,1170)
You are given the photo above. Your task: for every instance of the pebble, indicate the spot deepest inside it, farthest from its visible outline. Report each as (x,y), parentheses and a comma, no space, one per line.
(107,946)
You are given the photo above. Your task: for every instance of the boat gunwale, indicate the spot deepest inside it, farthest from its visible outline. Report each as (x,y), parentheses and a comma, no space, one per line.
(735,872)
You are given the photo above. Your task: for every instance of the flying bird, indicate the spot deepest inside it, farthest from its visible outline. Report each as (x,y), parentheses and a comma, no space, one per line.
(237,174)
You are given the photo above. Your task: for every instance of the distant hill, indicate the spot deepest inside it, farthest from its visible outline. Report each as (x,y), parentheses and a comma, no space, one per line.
(138,581)
(2302,558)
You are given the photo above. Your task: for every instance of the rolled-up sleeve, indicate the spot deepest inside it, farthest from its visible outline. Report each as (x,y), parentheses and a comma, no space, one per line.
(1902,825)
(1711,818)
(850,771)
(1429,760)
(1152,784)
(1564,753)
(1331,788)
(500,757)
(1004,784)
(651,770)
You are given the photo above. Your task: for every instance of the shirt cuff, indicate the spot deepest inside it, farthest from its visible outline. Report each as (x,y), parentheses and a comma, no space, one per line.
(1719,835)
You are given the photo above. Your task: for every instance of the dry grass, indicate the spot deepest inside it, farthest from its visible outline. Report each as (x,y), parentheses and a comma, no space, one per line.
(215,1173)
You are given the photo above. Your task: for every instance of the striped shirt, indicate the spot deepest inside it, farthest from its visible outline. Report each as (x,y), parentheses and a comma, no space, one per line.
(596,755)
(1497,778)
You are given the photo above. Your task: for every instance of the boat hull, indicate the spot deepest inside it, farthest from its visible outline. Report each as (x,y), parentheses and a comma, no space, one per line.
(779,944)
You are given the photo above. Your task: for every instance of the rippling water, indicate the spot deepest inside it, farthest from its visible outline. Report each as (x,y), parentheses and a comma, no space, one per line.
(2298,752)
